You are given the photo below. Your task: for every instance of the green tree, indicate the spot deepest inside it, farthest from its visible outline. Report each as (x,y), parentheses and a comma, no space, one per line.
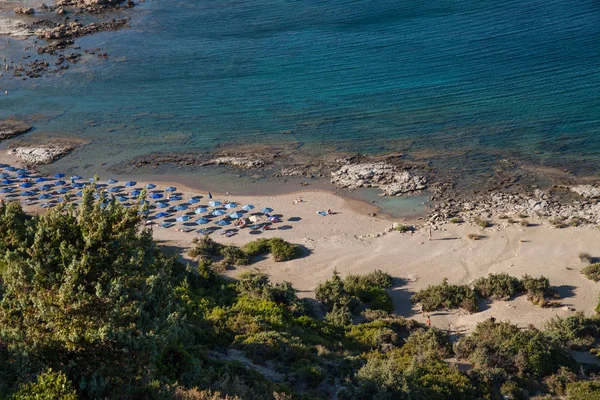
(86,291)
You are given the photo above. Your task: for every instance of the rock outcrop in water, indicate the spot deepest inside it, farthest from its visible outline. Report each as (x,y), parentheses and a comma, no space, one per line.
(241,162)
(41,155)
(76,29)
(10,128)
(24,10)
(387,177)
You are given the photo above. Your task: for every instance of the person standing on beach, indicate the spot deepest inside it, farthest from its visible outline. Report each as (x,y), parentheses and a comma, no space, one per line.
(209,195)
(430,232)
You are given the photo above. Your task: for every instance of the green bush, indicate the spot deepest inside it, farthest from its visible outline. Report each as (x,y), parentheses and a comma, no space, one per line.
(284,251)
(206,247)
(484,223)
(339,315)
(539,290)
(234,255)
(583,390)
(48,386)
(447,296)
(311,375)
(404,228)
(257,247)
(592,272)
(575,331)
(525,352)
(428,343)
(498,286)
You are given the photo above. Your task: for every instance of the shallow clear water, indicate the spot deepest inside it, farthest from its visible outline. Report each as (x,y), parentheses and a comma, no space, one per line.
(458,83)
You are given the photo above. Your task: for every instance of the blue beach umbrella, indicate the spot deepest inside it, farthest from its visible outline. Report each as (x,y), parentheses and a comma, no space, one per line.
(112,181)
(170,189)
(59,183)
(3,165)
(63,191)
(202,221)
(266,210)
(193,200)
(182,218)
(6,190)
(114,189)
(40,179)
(10,168)
(181,207)
(26,185)
(60,199)
(7,182)
(248,207)
(27,193)
(122,198)
(156,196)
(44,196)
(4,175)
(78,185)
(46,186)
(59,175)
(200,210)
(162,215)
(130,183)
(22,176)
(218,213)
(135,193)
(175,198)
(76,177)
(231,205)
(91,180)
(236,215)
(80,193)
(223,222)
(150,186)
(161,205)
(214,203)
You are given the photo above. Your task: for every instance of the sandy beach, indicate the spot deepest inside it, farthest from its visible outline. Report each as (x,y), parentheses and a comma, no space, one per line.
(352,240)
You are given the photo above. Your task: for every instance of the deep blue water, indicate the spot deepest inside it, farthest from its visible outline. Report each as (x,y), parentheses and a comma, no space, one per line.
(459,83)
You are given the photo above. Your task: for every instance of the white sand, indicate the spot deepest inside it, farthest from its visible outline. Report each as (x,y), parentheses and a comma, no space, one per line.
(345,242)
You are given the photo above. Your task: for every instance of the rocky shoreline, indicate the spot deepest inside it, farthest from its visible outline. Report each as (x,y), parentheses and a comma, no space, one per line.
(56,32)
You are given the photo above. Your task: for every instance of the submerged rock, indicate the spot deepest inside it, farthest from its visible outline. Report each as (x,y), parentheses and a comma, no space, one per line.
(41,155)
(387,177)
(11,128)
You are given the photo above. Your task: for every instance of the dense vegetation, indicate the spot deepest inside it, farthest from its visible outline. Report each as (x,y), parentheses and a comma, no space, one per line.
(495,287)
(223,256)
(91,308)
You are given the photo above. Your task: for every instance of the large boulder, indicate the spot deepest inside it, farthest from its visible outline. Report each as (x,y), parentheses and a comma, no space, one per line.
(387,177)
(41,155)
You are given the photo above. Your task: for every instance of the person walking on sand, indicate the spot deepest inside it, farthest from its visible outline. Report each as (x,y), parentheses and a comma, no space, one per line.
(430,232)
(422,310)
(428,322)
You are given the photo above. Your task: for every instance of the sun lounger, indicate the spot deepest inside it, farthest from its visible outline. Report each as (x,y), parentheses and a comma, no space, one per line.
(166,225)
(204,231)
(186,230)
(323,213)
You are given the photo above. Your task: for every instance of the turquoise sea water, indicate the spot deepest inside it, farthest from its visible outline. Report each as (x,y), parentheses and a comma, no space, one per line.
(459,83)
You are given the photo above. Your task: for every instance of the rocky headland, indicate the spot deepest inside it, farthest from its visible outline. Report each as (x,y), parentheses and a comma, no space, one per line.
(32,156)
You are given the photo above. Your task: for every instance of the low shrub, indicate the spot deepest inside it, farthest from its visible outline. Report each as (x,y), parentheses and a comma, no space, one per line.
(539,290)
(484,223)
(234,255)
(447,296)
(583,390)
(284,251)
(404,228)
(498,286)
(257,247)
(575,331)
(592,272)
(474,236)
(206,247)
(524,223)
(455,220)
